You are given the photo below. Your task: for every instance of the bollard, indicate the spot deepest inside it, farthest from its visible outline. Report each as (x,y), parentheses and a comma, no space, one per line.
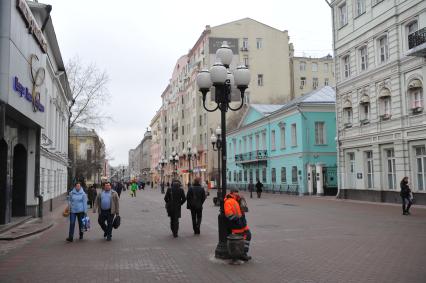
(235,246)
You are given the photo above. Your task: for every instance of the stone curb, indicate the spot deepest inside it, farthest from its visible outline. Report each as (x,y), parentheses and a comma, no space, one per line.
(24,235)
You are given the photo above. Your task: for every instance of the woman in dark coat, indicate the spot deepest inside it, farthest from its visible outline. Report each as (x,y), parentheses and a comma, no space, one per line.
(92,195)
(259,187)
(406,196)
(174,198)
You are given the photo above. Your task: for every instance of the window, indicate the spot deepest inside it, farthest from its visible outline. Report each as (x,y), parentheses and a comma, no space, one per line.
(346,66)
(264,174)
(245,144)
(257,174)
(370,172)
(415,91)
(364,113)
(385,107)
(258,43)
(273,175)
(245,175)
(319,133)
(260,80)
(351,168)
(383,49)
(314,67)
(391,168)
(257,142)
(246,60)
(293,135)
(360,7)
(363,58)
(314,83)
(251,143)
(421,167)
(412,27)
(294,174)
(183,130)
(282,137)
(251,176)
(245,44)
(302,82)
(264,141)
(343,14)
(326,83)
(201,120)
(326,67)
(302,66)
(273,140)
(283,175)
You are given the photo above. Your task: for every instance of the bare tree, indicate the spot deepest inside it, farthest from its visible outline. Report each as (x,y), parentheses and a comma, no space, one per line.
(89,93)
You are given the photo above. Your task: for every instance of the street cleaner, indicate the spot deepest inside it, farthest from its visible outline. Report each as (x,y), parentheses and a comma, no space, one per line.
(237,223)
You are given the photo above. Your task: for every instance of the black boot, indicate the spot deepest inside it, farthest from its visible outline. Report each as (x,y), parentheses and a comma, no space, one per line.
(69,239)
(81,236)
(245,257)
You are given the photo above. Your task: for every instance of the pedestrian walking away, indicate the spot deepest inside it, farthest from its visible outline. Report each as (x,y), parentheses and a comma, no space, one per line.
(251,188)
(92,195)
(77,201)
(107,205)
(406,196)
(118,188)
(133,188)
(195,199)
(237,223)
(174,198)
(259,188)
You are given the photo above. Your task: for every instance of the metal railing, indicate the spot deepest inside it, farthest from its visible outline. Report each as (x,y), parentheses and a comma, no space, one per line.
(252,156)
(291,189)
(417,38)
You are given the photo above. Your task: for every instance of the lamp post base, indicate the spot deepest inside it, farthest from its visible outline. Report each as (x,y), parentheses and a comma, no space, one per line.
(221,251)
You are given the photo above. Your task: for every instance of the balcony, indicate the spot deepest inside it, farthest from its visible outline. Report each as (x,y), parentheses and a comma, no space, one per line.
(417,43)
(253,156)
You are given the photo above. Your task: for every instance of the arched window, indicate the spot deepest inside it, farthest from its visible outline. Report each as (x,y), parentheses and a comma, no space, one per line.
(385,104)
(364,109)
(415,93)
(347,113)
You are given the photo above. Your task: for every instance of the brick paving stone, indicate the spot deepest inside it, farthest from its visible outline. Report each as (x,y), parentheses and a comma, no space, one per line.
(295,239)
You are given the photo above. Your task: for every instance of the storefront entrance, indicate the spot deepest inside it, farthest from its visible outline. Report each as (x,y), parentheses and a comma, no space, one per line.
(4,196)
(19,185)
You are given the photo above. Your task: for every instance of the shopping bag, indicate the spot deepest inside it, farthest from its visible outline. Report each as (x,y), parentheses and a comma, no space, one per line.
(86,223)
(66,212)
(116,222)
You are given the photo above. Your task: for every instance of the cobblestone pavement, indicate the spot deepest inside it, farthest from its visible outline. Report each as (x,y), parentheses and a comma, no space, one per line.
(295,239)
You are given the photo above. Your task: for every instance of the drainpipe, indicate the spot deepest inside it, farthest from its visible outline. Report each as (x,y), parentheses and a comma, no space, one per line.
(338,142)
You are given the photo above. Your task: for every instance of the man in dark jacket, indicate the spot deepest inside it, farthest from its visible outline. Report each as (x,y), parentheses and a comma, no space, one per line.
(174,198)
(406,196)
(195,199)
(259,187)
(119,188)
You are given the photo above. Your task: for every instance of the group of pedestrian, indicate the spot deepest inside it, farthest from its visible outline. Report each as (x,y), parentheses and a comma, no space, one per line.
(175,198)
(106,204)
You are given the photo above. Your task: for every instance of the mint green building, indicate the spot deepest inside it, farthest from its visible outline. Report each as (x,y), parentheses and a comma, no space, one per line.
(290,148)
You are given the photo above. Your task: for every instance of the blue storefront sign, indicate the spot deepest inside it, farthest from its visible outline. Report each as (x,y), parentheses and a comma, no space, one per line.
(25,93)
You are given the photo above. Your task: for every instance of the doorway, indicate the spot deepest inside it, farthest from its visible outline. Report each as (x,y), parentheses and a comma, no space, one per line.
(19,183)
(4,196)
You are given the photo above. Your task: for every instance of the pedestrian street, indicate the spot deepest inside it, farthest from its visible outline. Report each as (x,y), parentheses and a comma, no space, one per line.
(295,239)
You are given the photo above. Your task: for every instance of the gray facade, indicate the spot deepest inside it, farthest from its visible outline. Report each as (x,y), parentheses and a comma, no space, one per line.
(380,99)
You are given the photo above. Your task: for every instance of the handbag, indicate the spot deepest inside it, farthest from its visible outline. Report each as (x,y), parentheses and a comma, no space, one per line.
(116,222)
(66,211)
(86,223)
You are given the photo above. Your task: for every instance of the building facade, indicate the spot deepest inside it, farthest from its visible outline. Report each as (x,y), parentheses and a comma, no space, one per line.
(34,94)
(140,159)
(87,155)
(290,148)
(308,74)
(156,153)
(380,76)
(265,50)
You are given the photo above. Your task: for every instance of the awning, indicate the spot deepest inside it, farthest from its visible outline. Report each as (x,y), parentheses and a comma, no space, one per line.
(415,84)
(347,104)
(364,99)
(384,92)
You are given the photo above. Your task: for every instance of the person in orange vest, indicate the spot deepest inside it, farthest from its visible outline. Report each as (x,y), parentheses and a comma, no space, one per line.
(237,222)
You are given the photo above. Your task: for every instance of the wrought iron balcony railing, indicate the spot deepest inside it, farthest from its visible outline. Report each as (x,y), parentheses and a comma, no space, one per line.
(417,38)
(253,156)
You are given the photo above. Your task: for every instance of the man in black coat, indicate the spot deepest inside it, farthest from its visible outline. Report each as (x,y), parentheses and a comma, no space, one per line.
(195,199)
(174,198)
(259,187)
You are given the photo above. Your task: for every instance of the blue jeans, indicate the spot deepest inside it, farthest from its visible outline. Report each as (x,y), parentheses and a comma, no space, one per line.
(73,216)
(406,204)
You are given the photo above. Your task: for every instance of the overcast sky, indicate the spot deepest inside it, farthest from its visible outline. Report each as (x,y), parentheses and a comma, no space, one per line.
(138,43)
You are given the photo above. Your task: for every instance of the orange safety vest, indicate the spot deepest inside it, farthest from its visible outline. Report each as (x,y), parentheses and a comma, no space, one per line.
(232,211)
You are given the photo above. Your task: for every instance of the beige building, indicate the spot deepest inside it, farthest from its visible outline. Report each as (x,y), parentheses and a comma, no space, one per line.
(308,74)
(140,160)
(380,49)
(265,50)
(155,147)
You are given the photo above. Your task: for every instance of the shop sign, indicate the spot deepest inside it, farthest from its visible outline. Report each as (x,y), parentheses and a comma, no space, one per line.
(24,92)
(31,23)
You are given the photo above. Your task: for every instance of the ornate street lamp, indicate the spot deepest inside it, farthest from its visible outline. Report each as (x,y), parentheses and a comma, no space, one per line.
(189,155)
(162,163)
(174,159)
(222,80)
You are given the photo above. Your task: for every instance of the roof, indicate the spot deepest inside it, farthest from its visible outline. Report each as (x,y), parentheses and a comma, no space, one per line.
(252,20)
(324,95)
(266,109)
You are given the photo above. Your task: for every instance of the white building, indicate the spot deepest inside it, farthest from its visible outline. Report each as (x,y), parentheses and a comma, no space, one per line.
(34,94)
(380,97)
